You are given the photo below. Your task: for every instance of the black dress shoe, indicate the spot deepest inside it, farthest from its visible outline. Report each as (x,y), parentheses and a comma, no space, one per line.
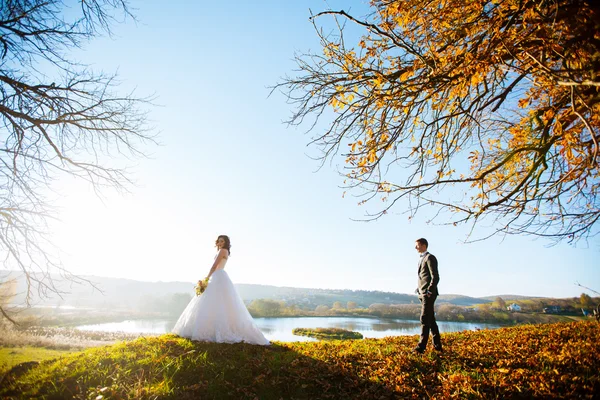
(418,350)
(439,349)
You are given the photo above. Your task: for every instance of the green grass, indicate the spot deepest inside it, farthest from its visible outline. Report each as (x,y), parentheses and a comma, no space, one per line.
(541,361)
(11,356)
(327,333)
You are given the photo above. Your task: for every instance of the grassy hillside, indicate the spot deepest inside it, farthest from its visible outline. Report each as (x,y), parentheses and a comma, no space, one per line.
(542,361)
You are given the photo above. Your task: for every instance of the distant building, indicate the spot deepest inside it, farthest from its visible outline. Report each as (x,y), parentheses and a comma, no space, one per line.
(514,307)
(552,309)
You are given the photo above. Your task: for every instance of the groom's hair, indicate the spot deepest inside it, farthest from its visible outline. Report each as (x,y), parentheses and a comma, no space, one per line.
(423,241)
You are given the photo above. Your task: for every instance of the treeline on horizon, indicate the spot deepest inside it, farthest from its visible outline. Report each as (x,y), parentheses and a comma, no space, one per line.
(168,299)
(532,310)
(124,293)
(170,307)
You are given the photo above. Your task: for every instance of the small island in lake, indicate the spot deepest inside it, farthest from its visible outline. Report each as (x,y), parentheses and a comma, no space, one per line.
(327,333)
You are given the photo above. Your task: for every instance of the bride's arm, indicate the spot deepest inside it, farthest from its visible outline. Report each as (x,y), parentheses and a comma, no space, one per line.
(222,254)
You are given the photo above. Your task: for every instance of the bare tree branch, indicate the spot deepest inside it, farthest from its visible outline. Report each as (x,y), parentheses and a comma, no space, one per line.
(62,121)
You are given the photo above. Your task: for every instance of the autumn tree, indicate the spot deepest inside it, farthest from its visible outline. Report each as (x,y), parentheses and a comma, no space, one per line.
(585,301)
(338,305)
(479,110)
(57,118)
(500,304)
(265,307)
(379,309)
(321,309)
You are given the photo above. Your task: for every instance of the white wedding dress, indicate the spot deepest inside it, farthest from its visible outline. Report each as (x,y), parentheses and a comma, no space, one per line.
(219,314)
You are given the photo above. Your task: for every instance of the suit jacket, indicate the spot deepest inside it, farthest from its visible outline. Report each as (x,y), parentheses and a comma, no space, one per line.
(428,275)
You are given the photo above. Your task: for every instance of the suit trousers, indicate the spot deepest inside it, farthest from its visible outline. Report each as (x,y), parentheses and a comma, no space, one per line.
(428,323)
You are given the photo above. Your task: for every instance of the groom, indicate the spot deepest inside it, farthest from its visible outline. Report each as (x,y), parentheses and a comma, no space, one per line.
(427,292)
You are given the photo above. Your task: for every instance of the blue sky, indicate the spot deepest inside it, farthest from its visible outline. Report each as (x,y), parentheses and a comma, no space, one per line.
(228,164)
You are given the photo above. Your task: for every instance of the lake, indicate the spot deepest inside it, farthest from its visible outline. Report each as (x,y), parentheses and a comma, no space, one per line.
(281,328)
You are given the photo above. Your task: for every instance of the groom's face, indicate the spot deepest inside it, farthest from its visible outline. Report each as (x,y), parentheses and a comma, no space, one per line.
(420,247)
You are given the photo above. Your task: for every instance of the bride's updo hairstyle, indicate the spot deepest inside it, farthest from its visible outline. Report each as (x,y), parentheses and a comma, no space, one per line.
(227,242)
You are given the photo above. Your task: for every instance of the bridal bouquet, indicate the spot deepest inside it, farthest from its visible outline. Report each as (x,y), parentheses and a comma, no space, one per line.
(201,286)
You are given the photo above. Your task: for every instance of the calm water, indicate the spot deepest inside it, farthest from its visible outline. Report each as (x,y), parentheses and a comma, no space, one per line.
(281,328)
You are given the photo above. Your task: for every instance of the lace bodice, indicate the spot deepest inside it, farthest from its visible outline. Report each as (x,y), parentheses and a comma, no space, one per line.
(222,263)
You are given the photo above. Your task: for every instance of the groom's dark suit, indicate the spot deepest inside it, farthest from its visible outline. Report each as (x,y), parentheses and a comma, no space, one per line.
(428,292)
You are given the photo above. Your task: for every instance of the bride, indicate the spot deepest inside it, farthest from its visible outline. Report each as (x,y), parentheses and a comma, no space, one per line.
(219,314)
